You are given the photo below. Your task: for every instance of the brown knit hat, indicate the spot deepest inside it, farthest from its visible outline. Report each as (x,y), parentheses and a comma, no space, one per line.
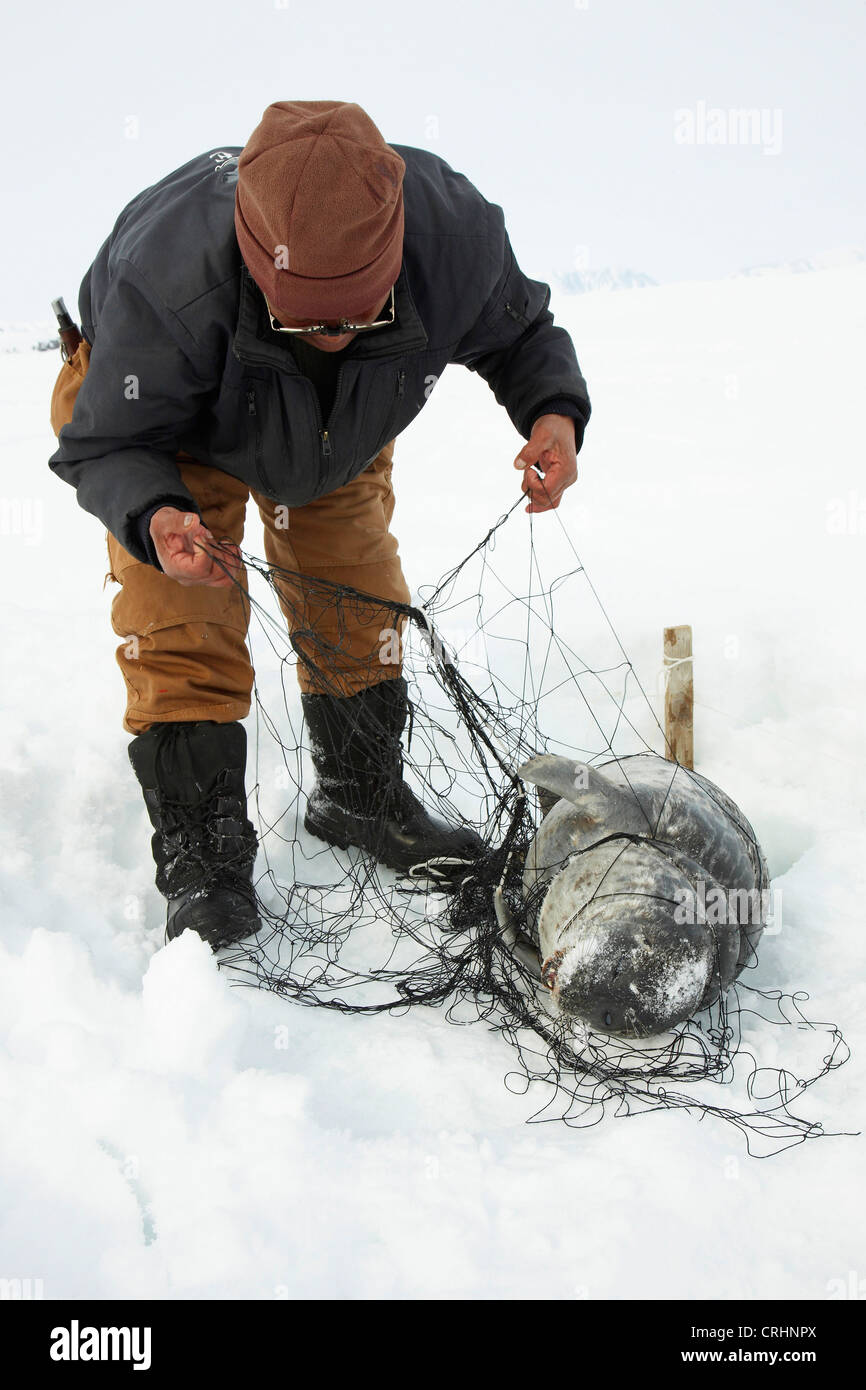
(319,209)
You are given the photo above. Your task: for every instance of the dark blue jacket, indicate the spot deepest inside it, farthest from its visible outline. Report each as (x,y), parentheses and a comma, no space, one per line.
(184,358)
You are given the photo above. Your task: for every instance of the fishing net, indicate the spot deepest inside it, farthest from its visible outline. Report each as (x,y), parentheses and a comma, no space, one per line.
(493,680)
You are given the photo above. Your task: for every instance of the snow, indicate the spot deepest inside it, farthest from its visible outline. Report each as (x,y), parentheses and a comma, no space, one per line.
(169,1135)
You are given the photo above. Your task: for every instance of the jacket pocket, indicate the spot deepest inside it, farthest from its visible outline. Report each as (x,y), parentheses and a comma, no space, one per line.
(516,315)
(68,384)
(397,400)
(256,445)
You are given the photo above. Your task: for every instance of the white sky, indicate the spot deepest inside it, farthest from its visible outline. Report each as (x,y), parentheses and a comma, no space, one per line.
(563,112)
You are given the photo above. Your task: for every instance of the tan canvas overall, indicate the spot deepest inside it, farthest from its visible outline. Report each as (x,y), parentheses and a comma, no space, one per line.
(183,653)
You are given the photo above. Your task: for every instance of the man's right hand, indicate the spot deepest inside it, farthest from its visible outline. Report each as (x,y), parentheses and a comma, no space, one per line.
(178,537)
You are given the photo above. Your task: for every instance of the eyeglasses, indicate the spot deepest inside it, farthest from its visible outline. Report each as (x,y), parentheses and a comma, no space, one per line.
(344,326)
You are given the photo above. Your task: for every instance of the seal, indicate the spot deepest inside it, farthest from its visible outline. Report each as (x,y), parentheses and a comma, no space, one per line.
(645,889)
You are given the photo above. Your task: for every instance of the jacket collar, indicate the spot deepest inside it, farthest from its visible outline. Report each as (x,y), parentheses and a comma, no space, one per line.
(255,340)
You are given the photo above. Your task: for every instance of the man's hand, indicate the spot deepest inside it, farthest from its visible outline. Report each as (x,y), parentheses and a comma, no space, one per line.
(551,446)
(178,538)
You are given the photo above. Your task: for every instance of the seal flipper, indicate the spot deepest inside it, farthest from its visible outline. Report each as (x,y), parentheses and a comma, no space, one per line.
(519,945)
(598,801)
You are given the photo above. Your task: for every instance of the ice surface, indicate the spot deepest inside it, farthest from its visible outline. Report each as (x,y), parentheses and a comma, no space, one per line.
(165,1134)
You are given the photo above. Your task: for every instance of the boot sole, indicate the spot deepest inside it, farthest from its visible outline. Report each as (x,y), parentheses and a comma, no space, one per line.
(230,933)
(216,943)
(401,866)
(333,838)
(341,841)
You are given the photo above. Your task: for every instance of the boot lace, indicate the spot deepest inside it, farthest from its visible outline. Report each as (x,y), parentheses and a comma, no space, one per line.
(209,841)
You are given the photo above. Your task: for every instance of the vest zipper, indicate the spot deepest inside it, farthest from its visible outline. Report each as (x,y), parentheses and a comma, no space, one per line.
(323,433)
(324,438)
(338,389)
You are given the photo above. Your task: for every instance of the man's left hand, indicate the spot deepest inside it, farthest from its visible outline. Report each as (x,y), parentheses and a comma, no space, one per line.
(551,447)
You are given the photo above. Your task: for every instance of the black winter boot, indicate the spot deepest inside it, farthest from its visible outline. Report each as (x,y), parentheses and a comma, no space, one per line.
(360,797)
(192,776)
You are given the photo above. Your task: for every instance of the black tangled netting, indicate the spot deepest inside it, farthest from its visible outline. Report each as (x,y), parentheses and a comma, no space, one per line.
(493,681)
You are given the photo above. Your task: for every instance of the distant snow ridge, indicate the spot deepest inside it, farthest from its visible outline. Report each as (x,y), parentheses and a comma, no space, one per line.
(827,260)
(22,337)
(582,281)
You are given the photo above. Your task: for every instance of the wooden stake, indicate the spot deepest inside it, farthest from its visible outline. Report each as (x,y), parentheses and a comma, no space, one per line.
(679,695)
